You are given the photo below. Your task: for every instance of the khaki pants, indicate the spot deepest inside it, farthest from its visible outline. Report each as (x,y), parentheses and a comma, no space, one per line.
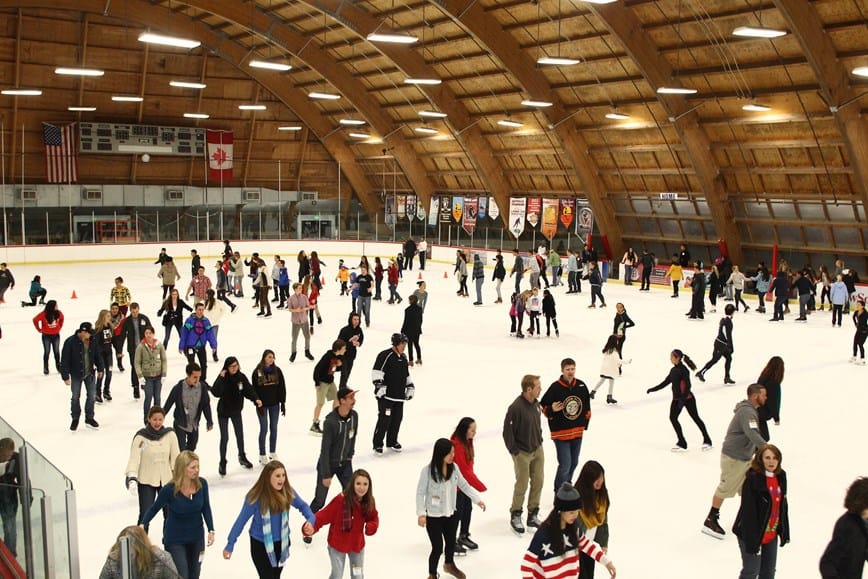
(529,466)
(732,475)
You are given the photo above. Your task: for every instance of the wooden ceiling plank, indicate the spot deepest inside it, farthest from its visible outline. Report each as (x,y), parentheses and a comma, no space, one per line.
(19,24)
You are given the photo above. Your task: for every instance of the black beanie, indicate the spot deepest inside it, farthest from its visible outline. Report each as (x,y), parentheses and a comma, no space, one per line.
(568,498)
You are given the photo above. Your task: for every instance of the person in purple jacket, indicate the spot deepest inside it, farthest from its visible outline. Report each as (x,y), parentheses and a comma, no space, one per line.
(195,334)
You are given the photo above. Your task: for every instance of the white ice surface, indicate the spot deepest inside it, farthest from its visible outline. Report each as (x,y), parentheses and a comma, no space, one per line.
(471,367)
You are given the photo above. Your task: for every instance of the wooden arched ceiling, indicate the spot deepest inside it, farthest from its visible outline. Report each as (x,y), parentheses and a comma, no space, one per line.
(793,176)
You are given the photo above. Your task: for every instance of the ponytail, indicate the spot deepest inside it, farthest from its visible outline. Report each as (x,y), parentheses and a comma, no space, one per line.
(690,363)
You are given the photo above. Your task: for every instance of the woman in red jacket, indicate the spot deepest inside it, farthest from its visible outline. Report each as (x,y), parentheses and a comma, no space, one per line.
(49,322)
(392,274)
(351,515)
(462,441)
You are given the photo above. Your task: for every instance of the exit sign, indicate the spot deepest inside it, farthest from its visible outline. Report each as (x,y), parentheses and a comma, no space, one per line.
(669,196)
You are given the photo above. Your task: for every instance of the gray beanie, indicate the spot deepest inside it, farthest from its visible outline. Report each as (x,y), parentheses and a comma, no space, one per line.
(568,498)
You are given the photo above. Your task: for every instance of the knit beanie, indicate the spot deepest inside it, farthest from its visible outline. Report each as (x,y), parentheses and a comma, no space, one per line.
(568,498)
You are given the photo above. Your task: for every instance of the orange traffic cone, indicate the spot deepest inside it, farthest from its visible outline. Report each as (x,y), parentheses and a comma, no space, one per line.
(445,276)
(420,275)
(73,297)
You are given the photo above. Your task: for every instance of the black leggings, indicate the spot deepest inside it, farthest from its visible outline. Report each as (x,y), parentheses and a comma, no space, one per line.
(836,313)
(739,300)
(719,353)
(440,530)
(104,384)
(549,321)
(237,426)
(464,510)
(689,404)
(193,353)
(413,342)
(859,343)
(261,562)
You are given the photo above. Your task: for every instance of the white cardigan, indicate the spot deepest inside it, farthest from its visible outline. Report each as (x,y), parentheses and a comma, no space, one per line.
(151,461)
(611,364)
(438,498)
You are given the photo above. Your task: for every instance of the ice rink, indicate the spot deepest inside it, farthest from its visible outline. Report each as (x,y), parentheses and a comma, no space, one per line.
(471,368)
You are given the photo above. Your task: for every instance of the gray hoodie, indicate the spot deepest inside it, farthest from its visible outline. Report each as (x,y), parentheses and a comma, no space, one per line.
(742,435)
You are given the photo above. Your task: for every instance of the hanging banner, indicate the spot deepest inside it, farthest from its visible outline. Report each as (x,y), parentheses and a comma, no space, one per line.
(516,215)
(584,218)
(534,208)
(493,209)
(482,211)
(434,210)
(420,211)
(470,206)
(549,218)
(568,211)
(445,210)
(411,207)
(390,209)
(400,206)
(219,155)
(457,208)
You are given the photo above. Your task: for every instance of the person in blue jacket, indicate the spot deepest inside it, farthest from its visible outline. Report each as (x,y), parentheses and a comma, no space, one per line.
(185,504)
(195,334)
(36,291)
(268,503)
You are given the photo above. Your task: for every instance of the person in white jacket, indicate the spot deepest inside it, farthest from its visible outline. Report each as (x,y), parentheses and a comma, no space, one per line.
(152,456)
(436,496)
(736,278)
(610,368)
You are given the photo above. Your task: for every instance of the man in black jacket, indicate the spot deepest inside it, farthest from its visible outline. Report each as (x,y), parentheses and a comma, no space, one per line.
(697,286)
(353,335)
(78,364)
(324,380)
(132,332)
(647,268)
(409,252)
(196,262)
(338,447)
(392,386)
(10,481)
(7,281)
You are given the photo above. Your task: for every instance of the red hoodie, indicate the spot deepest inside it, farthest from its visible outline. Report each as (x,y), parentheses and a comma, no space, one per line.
(43,326)
(352,541)
(466,466)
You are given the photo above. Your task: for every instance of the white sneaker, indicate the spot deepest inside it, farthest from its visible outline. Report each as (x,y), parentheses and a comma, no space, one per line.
(263,460)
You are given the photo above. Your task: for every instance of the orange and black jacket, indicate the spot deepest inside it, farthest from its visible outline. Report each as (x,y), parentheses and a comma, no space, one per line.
(571,422)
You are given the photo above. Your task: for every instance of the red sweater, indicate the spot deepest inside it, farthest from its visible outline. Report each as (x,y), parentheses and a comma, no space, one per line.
(393,274)
(352,541)
(466,466)
(44,327)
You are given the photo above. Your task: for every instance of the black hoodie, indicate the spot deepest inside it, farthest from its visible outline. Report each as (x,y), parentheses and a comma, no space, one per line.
(232,389)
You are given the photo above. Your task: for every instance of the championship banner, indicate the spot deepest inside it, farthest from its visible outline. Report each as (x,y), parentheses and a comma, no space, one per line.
(400,206)
(482,211)
(411,207)
(549,218)
(516,215)
(470,206)
(434,210)
(534,208)
(445,210)
(457,208)
(390,209)
(493,209)
(584,218)
(568,212)
(420,211)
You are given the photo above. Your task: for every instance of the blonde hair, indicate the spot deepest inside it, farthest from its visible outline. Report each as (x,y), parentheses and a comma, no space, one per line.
(268,498)
(181,463)
(140,548)
(100,324)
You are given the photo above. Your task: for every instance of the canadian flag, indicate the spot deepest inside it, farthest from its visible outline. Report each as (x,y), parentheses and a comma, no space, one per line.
(219,155)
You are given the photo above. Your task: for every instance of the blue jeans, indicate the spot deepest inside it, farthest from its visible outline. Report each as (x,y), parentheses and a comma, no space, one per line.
(8,513)
(50,342)
(363,305)
(186,558)
(237,426)
(153,386)
(90,395)
(759,565)
(479,281)
(568,459)
(268,415)
(343,471)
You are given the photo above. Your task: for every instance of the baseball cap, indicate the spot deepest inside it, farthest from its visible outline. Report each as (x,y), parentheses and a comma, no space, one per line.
(344,392)
(398,338)
(85,327)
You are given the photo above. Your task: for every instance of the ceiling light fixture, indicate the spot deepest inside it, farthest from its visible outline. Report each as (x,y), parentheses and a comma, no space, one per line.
(433,114)
(426,130)
(196,116)
(392,38)
(127,99)
(21,92)
(323,96)
(251,107)
(675,90)
(758,32)
(509,123)
(81,109)
(599,1)
(360,136)
(557,61)
(537,104)
(185,84)
(270,65)
(861,71)
(163,40)
(289,128)
(756,108)
(423,81)
(352,122)
(79,71)
(616,116)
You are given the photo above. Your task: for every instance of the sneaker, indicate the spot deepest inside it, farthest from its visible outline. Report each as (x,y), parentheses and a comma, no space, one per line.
(515,522)
(74,424)
(679,447)
(315,428)
(378,450)
(533,519)
(397,447)
(468,542)
(712,528)
(92,423)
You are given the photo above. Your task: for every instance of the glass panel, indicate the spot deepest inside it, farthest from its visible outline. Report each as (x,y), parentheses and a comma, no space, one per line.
(54,483)
(693,229)
(649,227)
(847,237)
(761,233)
(783,211)
(817,236)
(811,211)
(162,565)
(843,212)
(754,209)
(789,235)
(34,227)
(670,228)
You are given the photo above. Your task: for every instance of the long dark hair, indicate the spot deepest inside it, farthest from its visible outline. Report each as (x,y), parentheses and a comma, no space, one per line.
(682,357)
(367,502)
(51,312)
(442,447)
(611,344)
(590,473)
(556,536)
(265,353)
(209,300)
(461,434)
(773,372)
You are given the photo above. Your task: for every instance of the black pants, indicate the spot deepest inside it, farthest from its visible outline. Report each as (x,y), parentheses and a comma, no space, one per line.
(344,472)
(464,510)
(167,290)
(549,321)
(689,404)
(198,355)
(422,256)
(441,530)
(697,306)
(283,294)
(675,283)
(411,344)
(719,352)
(221,295)
(134,378)
(118,344)
(237,426)
(187,440)
(597,292)
(542,275)
(147,497)
(408,261)
(260,558)
(587,564)
(264,304)
(780,304)
(104,384)
(346,368)
(859,343)
(761,296)
(739,300)
(646,278)
(388,422)
(836,313)
(167,333)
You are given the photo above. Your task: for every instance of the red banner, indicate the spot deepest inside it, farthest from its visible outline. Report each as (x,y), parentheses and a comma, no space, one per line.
(568,211)
(219,155)
(470,209)
(534,209)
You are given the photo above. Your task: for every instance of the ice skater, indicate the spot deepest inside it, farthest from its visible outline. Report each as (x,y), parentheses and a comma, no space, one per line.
(723,346)
(682,398)
(610,367)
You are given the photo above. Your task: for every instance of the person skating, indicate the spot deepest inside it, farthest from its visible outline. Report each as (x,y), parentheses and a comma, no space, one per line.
(392,387)
(620,324)
(232,387)
(195,334)
(36,292)
(594,514)
(151,365)
(353,335)
(567,406)
(838,297)
(465,455)
(270,387)
(337,448)
(723,347)
(596,281)
(120,294)
(522,435)
(682,398)
(781,289)
(324,381)
(412,328)
(7,281)
(609,368)
(222,286)
(191,400)
(132,332)
(860,320)
(298,306)
(79,366)
(675,274)
(845,555)
(498,276)
(550,312)
(169,275)
(103,343)
(647,261)
(697,288)
(478,278)
(49,323)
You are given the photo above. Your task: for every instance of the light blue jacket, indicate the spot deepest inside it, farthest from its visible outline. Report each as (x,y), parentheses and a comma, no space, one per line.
(839,294)
(437,498)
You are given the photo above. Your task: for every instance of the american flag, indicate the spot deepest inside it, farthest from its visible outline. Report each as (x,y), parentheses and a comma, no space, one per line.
(61,161)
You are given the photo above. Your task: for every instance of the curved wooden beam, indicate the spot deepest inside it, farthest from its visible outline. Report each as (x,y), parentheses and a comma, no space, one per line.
(465,129)
(626,28)
(834,81)
(506,49)
(147,14)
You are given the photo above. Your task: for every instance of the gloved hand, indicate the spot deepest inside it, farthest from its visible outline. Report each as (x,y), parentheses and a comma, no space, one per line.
(282,409)
(380,391)
(409,392)
(648,391)
(132,485)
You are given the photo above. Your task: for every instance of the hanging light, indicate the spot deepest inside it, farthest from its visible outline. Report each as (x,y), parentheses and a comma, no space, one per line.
(352,122)
(758,32)
(510,123)
(81,109)
(289,128)
(323,96)
(163,40)
(270,65)
(79,71)
(535,103)
(196,116)
(127,99)
(21,92)
(433,114)
(616,116)
(184,84)
(251,107)
(675,90)
(423,81)
(426,130)
(756,108)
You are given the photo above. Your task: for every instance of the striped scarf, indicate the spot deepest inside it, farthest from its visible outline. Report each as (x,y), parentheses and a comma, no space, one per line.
(269,539)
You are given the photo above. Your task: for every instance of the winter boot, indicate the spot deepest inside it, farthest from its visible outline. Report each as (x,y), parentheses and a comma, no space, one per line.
(515,522)
(533,518)
(242,460)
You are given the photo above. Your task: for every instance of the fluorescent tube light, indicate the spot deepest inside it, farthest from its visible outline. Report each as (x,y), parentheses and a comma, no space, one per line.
(675,90)
(79,71)
(557,61)
(509,123)
(538,104)
(425,81)
(432,114)
(360,136)
(758,32)
(426,130)
(251,107)
(323,96)
(599,1)
(756,108)
(861,71)
(196,116)
(184,84)
(617,116)
(81,109)
(270,65)
(352,122)
(127,99)
(392,38)
(163,40)
(289,128)
(21,92)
